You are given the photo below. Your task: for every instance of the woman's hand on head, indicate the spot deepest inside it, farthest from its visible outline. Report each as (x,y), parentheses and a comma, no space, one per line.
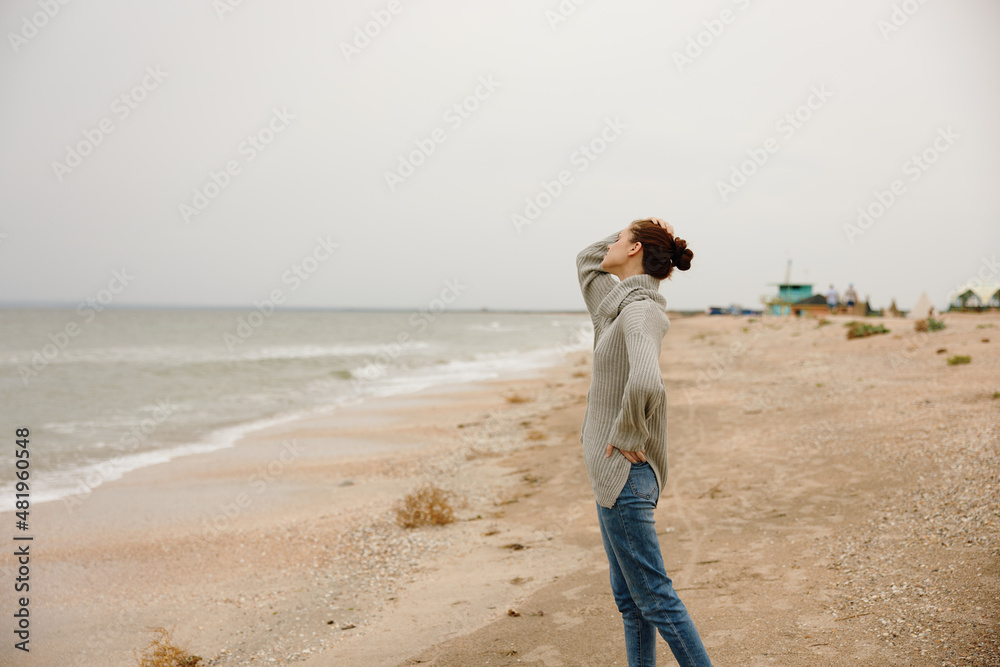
(663,223)
(633,457)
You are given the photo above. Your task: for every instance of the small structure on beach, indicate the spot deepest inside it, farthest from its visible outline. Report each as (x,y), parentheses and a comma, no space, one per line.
(865,309)
(788,295)
(976,296)
(923,307)
(893,311)
(814,306)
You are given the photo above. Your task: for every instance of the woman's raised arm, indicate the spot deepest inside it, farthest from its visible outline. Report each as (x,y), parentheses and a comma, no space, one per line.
(595,282)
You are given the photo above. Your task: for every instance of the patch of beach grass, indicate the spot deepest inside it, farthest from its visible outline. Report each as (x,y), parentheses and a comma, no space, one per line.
(930,324)
(861,329)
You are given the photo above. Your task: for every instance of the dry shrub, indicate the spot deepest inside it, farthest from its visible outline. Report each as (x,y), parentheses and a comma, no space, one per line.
(161,652)
(517,398)
(862,329)
(930,324)
(427,505)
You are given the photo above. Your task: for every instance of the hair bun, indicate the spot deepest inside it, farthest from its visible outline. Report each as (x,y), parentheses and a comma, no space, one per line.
(681,255)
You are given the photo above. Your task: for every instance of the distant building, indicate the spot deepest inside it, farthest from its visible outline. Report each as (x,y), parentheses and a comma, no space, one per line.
(814,306)
(977,296)
(788,294)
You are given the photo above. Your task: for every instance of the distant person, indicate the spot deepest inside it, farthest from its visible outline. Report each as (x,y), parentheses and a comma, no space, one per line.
(624,434)
(851,297)
(831,299)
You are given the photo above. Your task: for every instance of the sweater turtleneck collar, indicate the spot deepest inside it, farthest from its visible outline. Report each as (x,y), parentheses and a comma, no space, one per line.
(634,288)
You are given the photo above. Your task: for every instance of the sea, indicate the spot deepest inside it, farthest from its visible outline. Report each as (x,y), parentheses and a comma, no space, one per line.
(104,393)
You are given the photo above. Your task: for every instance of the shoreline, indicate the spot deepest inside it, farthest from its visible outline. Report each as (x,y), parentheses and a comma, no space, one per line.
(113,469)
(350,460)
(827,501)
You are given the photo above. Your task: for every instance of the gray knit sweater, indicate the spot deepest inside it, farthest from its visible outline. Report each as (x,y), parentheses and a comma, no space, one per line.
(627,402)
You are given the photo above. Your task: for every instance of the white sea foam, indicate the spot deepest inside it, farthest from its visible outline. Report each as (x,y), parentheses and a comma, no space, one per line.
(86,406)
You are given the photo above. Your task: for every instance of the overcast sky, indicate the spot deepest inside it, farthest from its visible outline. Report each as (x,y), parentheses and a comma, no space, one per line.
(204,150)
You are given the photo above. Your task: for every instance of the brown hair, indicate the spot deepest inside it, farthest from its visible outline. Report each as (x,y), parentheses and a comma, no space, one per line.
(661,250)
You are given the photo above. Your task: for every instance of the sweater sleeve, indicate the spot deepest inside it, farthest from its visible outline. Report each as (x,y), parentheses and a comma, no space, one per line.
(595,282)
(644,391)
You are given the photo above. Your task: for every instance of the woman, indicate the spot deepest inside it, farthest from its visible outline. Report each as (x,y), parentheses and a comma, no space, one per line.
(624,432)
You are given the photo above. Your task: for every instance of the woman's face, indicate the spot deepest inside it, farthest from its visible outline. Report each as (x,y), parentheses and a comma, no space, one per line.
(617,253)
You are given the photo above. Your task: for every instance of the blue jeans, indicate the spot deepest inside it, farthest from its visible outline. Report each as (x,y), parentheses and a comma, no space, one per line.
(643,592)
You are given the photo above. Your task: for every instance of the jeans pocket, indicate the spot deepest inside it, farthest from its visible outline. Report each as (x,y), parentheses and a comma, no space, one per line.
(642,480)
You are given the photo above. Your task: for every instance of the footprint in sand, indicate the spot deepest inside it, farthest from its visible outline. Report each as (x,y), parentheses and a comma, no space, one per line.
(574,593)
(600,566)
(547,655)
(564,620)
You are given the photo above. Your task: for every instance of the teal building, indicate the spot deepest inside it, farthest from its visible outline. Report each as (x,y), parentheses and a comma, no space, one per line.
(788,293)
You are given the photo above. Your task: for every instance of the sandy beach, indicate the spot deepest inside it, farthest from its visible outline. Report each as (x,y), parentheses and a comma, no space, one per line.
(829,502)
